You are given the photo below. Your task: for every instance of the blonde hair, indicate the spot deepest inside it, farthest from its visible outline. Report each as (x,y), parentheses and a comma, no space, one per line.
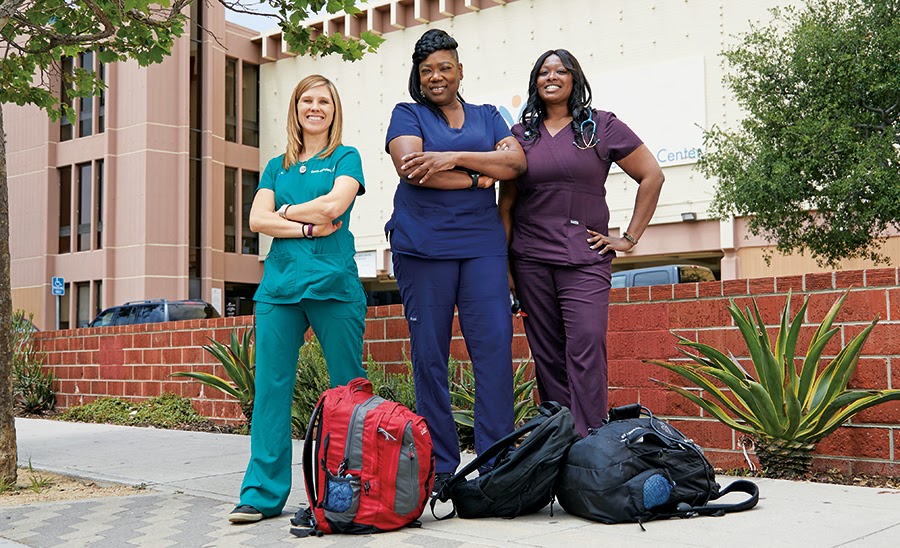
(295,131)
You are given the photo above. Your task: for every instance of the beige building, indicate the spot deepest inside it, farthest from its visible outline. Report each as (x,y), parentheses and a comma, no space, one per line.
(145,194)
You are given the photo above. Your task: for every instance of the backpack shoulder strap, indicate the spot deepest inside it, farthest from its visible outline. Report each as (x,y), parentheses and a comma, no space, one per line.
(309,476)
(500,447)
(737,486)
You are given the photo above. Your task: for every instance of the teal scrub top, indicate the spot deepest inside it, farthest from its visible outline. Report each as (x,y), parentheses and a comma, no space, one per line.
(317,268)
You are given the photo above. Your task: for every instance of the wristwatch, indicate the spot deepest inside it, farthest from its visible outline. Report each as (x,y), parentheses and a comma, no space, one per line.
(282,211)
(475,175)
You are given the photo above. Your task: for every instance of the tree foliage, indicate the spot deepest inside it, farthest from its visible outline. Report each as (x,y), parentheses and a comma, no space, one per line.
(35,35)
(815,164)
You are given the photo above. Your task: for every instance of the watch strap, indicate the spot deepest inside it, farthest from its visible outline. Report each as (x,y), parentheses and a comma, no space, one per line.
(474,175)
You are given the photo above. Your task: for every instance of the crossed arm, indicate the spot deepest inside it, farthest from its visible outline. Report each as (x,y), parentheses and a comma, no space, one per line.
(321,212)
(442,170)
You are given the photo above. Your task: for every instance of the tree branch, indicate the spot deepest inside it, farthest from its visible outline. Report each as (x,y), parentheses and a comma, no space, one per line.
(238,7)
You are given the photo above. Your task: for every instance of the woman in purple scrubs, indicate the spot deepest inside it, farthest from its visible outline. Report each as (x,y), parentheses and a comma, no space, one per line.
(448,244)
(557,220)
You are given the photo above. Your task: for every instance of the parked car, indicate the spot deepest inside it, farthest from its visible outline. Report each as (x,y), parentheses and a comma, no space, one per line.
(153,311)
(658,275)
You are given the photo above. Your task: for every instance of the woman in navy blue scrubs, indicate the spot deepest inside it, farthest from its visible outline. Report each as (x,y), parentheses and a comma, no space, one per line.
(449,246)
(561,251)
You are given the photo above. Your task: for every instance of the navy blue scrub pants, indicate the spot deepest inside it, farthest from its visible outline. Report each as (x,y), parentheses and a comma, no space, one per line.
(568,313)
(280,329)
(478,288)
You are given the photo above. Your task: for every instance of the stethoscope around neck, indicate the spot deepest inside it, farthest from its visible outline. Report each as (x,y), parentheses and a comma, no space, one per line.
(588,127)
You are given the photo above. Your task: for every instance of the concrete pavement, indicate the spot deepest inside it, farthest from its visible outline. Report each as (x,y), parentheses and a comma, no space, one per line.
(194,478)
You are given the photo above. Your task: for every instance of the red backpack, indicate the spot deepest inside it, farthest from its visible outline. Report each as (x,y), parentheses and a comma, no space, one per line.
(373,466)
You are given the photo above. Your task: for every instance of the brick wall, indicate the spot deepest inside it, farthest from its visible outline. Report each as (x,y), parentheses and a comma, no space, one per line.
(134,361)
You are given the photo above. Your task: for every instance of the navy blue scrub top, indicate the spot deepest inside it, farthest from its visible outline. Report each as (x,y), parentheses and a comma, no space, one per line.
(563,192)
(447,224)
(311,268)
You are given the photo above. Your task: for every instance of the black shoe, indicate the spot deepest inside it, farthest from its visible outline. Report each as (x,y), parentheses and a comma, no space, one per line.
(439,481)
(245,514)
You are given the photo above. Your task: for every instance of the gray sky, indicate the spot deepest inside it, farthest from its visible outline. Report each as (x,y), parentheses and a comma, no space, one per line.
(254,22)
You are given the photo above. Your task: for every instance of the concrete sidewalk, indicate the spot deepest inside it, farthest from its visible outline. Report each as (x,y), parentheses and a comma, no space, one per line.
(195,478)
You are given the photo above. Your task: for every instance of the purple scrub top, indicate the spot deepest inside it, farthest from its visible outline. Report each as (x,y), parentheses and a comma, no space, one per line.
(563,192)
(447,224)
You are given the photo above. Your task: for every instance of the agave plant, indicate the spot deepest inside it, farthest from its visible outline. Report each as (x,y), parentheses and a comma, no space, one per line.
(785,412)
(239,360)
(462,391)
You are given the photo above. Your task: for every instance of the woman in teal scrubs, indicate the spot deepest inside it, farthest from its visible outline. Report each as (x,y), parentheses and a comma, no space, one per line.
(309,280)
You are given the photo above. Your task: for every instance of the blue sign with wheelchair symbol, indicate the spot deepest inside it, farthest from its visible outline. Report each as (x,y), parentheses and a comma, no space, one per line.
(58,285)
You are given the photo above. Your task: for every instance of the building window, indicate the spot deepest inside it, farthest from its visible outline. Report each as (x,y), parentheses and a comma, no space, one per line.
(231,100)
(86,104)
(98,206)
(81,207)
(244,77)
(98,297)
(63,319)
(84,209)
(240,187)
(195,152)
(250,105)
(88,113)
(249,239)
(67,70)
(230,209)
(101,108)
(65,209)
(82,304)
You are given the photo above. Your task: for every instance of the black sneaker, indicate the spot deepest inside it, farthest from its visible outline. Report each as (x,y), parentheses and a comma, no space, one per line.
(439,481)
(245,514)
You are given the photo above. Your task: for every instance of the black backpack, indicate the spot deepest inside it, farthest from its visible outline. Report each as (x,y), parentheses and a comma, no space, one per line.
(523,476)
(637,468)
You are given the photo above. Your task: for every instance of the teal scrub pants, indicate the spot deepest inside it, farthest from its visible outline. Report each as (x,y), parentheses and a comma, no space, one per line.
(280,329)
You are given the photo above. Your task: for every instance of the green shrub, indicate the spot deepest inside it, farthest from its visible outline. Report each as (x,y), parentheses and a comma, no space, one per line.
(165,411)
(103,410)
(32,386)
(398,387)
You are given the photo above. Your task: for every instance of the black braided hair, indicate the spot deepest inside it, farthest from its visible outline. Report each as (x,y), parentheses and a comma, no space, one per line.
(579,102)
(433,40)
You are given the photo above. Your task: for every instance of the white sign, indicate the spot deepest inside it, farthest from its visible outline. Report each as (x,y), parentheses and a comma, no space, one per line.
(366,264)
(664,103)
(58,285)
(216,295)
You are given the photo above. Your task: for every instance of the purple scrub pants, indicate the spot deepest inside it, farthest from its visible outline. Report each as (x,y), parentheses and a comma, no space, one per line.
(568,309)
(477,287)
